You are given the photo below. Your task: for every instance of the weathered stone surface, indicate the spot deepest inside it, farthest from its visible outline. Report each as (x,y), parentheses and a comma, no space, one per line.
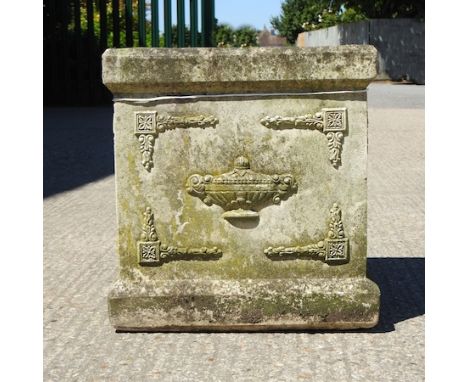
(241,211)
(251,70)
(244,304)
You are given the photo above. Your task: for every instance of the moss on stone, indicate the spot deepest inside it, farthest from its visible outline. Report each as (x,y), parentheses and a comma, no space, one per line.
(254,306)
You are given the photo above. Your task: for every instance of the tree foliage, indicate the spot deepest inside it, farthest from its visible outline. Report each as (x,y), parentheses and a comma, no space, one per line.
(294,14)
(385,9)
(301,15)
(226,36)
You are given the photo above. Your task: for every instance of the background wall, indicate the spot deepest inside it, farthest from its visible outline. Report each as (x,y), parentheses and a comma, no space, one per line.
(400,43)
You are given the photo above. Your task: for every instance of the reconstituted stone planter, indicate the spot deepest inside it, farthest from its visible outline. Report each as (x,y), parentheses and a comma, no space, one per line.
(241,188)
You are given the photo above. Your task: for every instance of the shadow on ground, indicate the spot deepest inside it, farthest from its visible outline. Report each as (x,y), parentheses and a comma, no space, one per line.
(402,285)
(78,147)
(402,289)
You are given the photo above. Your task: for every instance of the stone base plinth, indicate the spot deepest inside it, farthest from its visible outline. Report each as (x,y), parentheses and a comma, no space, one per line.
(244,305)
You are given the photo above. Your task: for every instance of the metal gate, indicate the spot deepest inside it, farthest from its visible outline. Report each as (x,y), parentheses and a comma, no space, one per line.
(76,33)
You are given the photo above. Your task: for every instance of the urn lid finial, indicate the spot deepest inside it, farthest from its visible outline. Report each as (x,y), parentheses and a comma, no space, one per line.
(242,162)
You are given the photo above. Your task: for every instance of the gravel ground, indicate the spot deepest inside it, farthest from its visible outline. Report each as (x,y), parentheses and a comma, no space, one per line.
(80,265)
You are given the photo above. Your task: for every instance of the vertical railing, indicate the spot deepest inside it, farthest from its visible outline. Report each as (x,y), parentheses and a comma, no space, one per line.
(115,24)
(167,23)
(90,51)
(180,23)
(207,19)
(128,23)
(154,23)
(76,33)
(51,51)
(80,76)
(194,22)
(141,23)
(64,67)
(103,25)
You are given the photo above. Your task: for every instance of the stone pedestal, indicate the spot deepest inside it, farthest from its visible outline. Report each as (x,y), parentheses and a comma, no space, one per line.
(241,188)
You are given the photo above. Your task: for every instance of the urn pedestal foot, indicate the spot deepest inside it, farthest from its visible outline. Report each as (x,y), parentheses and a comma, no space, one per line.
(244,305)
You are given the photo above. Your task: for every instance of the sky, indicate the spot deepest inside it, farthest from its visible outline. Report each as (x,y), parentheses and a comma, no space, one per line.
(253,12)
(256,13)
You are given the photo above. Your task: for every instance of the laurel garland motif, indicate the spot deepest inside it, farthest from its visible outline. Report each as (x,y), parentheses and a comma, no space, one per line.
(331,121)
(152,252)
(335,143)
(147,149)
(148,126)
(333,249)
(148,231)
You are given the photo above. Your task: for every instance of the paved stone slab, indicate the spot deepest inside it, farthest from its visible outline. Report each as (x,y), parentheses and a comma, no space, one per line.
(80,265)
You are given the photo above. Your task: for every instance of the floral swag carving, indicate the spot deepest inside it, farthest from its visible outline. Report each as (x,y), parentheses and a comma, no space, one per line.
(333,249)
(331,121)
(148,125)
(152,252)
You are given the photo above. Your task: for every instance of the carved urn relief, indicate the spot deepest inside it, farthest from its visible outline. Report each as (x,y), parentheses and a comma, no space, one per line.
(241,192)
